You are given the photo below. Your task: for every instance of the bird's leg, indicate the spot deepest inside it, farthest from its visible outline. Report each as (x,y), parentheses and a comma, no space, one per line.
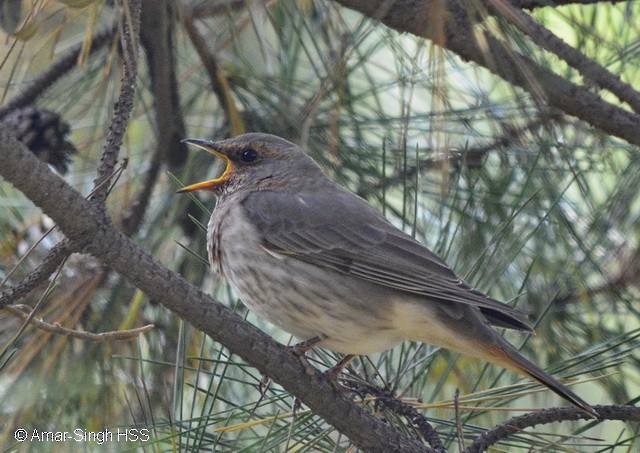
(333,373)
(300,349)
(264,385)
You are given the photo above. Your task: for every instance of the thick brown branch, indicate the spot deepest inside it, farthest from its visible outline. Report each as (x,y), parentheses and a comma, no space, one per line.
(413,16)
(80,220)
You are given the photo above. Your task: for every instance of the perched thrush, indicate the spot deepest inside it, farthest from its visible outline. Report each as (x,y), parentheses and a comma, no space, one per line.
(320,262)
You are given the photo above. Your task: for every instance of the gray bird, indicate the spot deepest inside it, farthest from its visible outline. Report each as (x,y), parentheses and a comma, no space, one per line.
(324,265)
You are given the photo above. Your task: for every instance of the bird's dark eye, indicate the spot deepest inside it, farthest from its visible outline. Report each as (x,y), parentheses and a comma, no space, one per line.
(248,155)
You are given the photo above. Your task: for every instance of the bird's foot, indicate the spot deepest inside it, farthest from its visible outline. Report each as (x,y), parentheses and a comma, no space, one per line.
(333,373)
(296,405)
(263,386)
(300,350)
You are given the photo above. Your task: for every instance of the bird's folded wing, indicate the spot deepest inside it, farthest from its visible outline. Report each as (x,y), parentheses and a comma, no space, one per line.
(344,233)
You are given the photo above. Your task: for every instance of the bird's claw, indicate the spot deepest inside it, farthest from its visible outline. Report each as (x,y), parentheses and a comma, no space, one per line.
(300,350)
(333,373)
(264,385)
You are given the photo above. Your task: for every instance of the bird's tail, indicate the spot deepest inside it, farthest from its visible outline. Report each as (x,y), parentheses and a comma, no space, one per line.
(507,356)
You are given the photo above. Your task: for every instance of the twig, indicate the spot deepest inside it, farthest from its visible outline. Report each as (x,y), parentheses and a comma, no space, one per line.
(134,216)
(419,421)
(157,38)
(32,312)
(54,258)
(25,256)
(531,4)
(130,24)
(516,424)
(590,69)
(217,79)
(63,65)
(459,432)
(22,311)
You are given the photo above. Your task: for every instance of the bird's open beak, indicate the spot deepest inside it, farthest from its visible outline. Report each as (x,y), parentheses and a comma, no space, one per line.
(209,147)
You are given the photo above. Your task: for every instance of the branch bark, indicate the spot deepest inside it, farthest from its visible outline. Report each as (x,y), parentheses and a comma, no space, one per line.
(81,221)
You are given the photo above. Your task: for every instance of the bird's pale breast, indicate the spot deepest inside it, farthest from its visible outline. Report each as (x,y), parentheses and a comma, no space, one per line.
(300,298)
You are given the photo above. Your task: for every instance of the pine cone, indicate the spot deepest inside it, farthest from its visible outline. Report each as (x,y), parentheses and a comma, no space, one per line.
(44,133)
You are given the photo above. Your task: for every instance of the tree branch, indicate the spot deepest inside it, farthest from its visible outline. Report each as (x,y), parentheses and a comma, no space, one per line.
(157,36)
(54,258)
(589,68)
(531,4)
(130,28)
(22,311)
(419,421)
(471,44)
(517,424)
(217,78)
(80,220)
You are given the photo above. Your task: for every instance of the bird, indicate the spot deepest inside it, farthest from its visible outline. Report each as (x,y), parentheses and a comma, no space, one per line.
(320,262)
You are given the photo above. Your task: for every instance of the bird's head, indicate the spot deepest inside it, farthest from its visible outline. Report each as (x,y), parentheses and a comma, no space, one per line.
(253,160)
